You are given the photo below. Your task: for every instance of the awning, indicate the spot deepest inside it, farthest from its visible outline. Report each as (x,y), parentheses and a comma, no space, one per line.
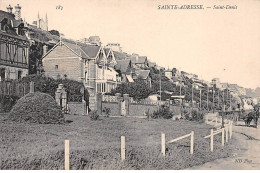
(129,78)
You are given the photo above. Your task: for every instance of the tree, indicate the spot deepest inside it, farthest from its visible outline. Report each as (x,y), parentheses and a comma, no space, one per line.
(54,32)
(35,55)
(138,89)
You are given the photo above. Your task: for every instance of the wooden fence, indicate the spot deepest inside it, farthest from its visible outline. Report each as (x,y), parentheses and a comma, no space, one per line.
(14,88)
(163,143)
(177,139)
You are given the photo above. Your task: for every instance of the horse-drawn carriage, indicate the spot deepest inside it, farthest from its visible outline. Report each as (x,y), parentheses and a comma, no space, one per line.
(252,115)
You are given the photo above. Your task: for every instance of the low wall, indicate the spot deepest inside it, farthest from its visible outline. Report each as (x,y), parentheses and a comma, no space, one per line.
(112,106)
(77,108)
(140,109)
(132,108)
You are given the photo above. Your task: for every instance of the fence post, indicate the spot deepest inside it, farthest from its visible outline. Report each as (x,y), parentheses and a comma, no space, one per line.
(223,136)
(191,142)
(67,155)
(118,96)
(31,87)
(226,134)
(211,140)
(230,129)
(123,148)
(163,144)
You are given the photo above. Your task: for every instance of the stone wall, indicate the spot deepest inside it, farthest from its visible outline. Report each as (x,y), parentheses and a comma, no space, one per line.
(140,109)
(112,106)
(132,108)
(77,108)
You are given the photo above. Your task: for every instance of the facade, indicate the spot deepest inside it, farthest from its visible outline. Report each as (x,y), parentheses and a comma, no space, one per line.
(139,61)
(216,82)
(125,70)
(84,63)
(144,75)
(14,46)
(114,47)
(168,74)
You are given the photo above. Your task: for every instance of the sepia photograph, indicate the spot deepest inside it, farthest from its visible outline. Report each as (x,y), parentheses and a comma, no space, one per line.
(129,85)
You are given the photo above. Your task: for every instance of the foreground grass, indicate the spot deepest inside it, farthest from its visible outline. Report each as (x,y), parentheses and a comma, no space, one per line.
(96,144)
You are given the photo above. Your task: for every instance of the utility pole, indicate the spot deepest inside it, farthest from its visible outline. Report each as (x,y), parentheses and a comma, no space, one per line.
(208,98)
(180,89)
(213,99)
(230,100)
(192,96)
(200,99)
(160,87)
(218,98)
(224,100)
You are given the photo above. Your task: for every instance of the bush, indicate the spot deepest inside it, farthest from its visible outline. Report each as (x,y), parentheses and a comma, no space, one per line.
(37,108)
(49,85)
(7,102)
(107,111)
(196,115)
(94,115)
(163,112)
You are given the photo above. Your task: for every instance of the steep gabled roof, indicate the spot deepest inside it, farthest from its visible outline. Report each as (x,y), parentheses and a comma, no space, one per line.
(119,55)
(123,65)
(138,59)
(76,49)
(142,73)
(107,50)
(91,50)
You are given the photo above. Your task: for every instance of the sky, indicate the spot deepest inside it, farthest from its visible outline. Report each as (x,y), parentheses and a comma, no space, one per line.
(210,43)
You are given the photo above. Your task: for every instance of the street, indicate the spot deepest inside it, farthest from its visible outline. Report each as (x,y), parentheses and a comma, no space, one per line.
(246,155)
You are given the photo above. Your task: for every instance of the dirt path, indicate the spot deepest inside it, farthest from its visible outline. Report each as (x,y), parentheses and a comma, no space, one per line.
(245,157)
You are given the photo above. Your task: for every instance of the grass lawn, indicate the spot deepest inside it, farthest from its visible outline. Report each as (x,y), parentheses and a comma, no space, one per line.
(96,144)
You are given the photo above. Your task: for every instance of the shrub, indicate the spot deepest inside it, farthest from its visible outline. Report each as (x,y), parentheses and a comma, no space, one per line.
(163,112)
(94,115)
(49,85)
(196,115)
(107,111)
(7,102)
(37,108)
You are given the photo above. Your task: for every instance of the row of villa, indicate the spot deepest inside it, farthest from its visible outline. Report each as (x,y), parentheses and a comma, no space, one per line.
(99,68)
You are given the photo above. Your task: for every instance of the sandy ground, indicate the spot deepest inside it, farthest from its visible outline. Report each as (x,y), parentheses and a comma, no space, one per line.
(245,157)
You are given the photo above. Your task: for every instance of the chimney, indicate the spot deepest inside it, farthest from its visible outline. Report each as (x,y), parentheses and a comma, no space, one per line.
(9,9)
(18,12)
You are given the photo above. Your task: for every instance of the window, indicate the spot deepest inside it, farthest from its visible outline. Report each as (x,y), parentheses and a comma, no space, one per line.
(56,67)
(19,74)
(2,74)
(101,87)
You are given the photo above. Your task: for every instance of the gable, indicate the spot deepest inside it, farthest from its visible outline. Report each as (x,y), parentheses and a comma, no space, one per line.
(60,52)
